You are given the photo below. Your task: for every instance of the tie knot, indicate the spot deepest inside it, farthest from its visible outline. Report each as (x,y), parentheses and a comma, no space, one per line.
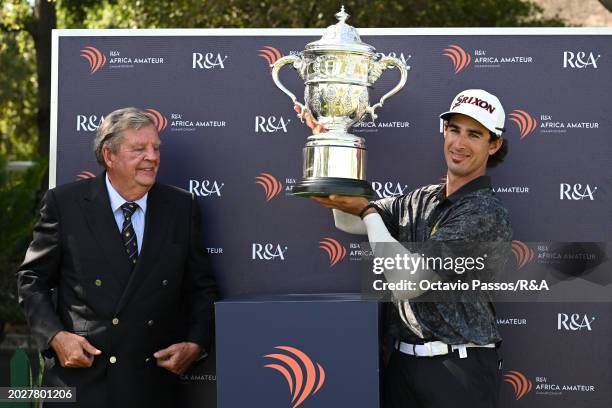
(129,209)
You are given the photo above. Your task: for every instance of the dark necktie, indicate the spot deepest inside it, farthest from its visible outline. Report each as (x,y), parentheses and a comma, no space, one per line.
(128,234)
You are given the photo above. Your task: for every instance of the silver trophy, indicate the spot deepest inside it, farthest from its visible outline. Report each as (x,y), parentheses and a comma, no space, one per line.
(337,70)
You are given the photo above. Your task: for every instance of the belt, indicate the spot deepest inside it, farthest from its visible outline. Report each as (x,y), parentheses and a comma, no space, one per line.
(436,348)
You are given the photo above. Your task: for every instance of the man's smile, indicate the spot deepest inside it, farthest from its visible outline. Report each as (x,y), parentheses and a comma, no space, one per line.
(457,156)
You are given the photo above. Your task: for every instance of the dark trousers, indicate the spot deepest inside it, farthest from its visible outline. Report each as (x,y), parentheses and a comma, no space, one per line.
(443,381)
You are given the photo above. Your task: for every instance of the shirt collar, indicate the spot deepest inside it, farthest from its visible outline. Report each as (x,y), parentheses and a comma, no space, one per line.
(116,201)
(478,183)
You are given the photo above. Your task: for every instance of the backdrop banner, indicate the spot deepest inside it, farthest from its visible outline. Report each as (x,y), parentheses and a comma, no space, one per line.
(231,137)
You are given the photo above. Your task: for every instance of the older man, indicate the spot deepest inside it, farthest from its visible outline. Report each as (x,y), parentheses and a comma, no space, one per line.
(115,284)
(445,347)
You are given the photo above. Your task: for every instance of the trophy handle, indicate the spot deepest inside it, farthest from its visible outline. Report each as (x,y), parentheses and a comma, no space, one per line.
(384,63)
(297,61)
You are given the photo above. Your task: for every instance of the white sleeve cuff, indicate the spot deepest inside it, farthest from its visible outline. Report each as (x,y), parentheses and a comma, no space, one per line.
(377,230)
(349,223)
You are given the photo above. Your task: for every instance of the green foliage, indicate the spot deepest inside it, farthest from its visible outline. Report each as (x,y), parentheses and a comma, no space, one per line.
(19,197)
(310,13)
(18,132)
(14,14)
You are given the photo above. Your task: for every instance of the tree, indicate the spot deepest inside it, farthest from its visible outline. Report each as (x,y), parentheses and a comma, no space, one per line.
(17,91)
(312,13)
(25,27)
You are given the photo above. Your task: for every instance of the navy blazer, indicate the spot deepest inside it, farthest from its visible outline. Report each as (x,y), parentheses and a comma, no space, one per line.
(76,276)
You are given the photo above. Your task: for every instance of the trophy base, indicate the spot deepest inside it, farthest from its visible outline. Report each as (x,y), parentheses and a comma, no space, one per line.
(325,186)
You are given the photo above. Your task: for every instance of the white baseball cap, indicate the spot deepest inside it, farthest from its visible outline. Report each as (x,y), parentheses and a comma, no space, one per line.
(481,106)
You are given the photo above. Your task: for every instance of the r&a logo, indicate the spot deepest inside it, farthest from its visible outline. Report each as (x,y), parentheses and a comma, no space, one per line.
(522,253)
(85,175)
(388,189)
(205,188)
(270,54)
(401,57)
(208,60)
(519,382)
(299,372)
(458,56)
(268,252)
(88,123)
(525,122)
(334,249)
(95,58)
(270,184)
(580,59)
(160,120)
(574,322)
(271,124)
(576,192)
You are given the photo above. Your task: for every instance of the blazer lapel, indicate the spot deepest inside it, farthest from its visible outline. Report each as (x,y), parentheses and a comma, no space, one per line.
(156,223)
(101,221)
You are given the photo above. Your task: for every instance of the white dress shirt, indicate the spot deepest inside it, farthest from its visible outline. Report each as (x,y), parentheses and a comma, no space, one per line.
(138,218)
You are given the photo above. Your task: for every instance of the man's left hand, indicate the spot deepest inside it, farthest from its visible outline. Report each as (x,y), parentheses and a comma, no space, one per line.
(178,357)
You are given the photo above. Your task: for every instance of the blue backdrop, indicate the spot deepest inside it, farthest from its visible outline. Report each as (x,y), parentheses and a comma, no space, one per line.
(231,137)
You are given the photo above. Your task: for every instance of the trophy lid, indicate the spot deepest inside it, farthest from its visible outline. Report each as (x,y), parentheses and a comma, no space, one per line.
(340,37)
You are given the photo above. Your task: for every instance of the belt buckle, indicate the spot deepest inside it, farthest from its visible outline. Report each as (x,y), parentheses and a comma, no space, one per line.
(438,348)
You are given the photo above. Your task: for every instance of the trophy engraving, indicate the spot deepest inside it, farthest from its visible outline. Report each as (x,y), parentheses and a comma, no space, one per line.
(337,71)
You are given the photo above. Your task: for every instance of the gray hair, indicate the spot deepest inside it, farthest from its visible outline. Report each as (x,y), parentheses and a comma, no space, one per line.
(109,132)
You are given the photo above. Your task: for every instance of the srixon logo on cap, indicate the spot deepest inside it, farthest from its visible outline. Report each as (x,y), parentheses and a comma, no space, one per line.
(472,100)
